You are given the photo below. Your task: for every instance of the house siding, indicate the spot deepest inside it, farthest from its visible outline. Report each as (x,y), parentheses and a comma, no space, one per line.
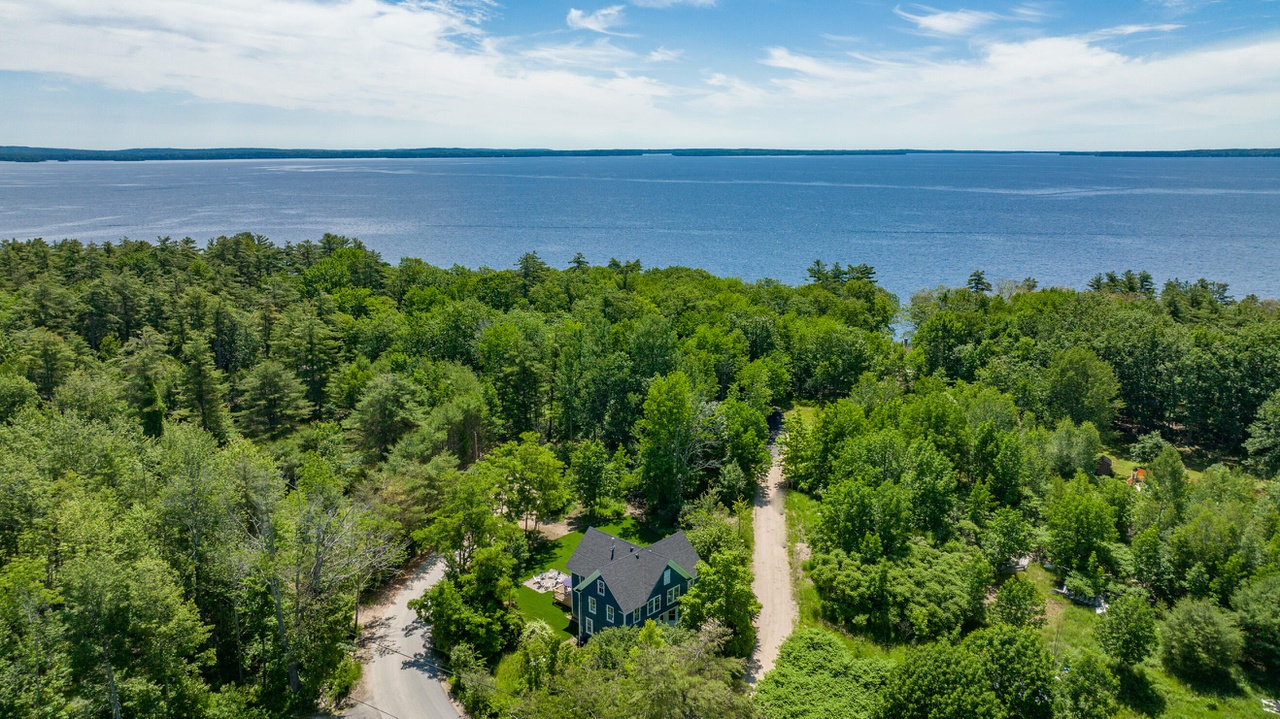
(585,592)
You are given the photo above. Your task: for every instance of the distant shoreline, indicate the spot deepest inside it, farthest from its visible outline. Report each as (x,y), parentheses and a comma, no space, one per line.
(50,154)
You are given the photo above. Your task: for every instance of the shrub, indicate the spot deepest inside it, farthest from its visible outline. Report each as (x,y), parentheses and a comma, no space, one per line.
(1200,641)
(816,678)
(344,679)
(1088,691)
(1127,632)
(939,681)
(1257,606)
(1147,448)
(1018,603)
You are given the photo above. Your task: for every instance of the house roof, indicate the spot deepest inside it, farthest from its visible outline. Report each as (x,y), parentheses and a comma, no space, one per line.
(631,571)
(597,549)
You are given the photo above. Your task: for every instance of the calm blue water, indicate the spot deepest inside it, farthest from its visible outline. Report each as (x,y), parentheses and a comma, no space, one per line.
(920,220)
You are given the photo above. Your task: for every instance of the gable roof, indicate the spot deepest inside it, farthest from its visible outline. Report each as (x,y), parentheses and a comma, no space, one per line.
(630,571)
(596,550)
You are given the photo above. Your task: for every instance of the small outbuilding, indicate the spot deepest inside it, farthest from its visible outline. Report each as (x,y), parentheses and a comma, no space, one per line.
(1104,467)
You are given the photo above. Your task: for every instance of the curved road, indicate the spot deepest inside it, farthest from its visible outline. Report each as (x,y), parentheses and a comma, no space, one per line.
(400,680)
(772,567)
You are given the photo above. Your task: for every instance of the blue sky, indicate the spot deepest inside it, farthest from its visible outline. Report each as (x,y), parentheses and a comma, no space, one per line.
(973,74)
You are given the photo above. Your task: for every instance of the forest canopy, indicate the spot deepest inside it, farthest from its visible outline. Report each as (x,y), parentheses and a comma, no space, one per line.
(210,454)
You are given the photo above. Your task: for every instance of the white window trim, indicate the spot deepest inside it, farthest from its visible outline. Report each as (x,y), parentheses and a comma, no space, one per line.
(600,587)
(666,576)
(591,602)
(590,627)
(654,605)
(635,616)
(608,611)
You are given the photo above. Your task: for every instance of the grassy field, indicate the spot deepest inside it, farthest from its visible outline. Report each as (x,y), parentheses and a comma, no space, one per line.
(802,514)
(807,412)
(1122,467)
(1148,691)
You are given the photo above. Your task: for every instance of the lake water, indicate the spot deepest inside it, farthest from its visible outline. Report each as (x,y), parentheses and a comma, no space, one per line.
(920,220)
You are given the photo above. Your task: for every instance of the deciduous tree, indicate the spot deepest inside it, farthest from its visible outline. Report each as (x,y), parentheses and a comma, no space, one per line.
(1127,632)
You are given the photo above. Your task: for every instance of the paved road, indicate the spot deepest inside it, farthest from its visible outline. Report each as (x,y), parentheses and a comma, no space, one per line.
(399,679)
(772,585)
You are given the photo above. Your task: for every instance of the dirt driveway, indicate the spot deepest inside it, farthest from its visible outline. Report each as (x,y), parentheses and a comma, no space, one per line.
(778,611)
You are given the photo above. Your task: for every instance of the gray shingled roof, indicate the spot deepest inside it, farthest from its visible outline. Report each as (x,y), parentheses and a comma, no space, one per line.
(631,572)
(595,550)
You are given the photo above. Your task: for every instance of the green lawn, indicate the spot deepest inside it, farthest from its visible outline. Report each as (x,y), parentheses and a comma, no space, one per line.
(542,605)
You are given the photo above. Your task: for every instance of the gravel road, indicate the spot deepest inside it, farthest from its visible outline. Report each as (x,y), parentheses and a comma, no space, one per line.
(399,680)
(772,585)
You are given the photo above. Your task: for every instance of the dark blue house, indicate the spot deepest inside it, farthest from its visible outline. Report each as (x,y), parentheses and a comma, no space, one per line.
(618,584)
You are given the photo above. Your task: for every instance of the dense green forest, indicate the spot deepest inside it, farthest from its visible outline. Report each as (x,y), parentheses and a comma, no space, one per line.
(210,455)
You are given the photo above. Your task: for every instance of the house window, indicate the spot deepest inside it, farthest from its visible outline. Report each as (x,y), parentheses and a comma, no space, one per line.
(673,594)
(654,604)
(609,613)
(590,627)
(666,576)
(635,616)
(591,602)
(600,587)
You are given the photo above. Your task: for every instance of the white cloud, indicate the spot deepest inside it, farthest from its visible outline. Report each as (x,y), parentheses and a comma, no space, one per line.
(954,22)
(1122,30)
(427,63)
(599,21)
(599,54)
(670,3)
(1046,93)
(432,71)
(662,54)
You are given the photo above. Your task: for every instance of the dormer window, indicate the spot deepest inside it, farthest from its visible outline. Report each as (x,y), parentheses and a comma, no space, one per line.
(600,587)
(666,576)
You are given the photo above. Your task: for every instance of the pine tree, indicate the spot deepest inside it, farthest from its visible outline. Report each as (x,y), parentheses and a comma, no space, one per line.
(204,389)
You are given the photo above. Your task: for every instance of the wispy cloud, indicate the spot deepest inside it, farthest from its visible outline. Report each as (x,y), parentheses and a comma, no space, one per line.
(599,54)
(599,21)
(953,22)
(662,54)
(670,3)
(1123,30)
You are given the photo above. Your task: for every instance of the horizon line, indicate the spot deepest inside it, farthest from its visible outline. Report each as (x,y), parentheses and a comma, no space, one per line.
(23,153)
